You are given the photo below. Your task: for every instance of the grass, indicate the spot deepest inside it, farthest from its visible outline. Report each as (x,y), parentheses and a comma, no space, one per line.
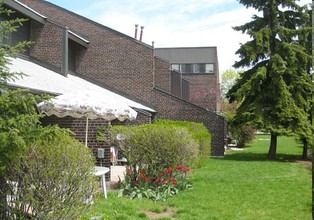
(244,185)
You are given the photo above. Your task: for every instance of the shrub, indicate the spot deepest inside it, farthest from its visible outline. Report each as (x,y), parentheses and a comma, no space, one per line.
(198,132)
(54,179)
(154,148)
(241,133)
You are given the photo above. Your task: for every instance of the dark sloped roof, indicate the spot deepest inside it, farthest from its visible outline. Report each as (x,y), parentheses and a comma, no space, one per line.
(28,12)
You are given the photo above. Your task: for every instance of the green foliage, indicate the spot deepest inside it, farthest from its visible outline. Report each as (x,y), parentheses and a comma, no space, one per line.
(49,171)
(18,117)
(7,26)
(19,123)
(275,91)
(155,149)
(228,79)
(141,184)
(198,132)
(54,178)
(156,146)
(243,134)
(243,185)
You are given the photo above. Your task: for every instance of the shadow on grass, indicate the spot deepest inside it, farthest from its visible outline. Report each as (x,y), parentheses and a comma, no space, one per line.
(249,156)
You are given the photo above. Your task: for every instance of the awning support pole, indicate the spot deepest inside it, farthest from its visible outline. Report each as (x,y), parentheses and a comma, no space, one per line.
(86,131)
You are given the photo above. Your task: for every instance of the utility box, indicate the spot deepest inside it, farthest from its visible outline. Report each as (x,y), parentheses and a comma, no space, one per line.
(101,153)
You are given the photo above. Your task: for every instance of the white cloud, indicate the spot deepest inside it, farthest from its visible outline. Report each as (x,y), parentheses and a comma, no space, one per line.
(177,23)
(176,30)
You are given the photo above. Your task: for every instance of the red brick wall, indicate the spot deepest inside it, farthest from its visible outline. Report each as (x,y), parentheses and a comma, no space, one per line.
(177,109)
(204,90)
(48,46)
(125,64)
(162,74)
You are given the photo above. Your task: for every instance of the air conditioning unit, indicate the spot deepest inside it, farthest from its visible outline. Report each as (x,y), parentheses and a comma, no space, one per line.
(101,153)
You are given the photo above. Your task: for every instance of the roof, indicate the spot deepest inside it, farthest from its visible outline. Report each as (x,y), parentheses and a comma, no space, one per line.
(44,80)
(24,9)
(188,54)
(30,13)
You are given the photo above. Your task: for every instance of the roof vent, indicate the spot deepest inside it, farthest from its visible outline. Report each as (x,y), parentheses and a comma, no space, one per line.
(135,35)
(142,27)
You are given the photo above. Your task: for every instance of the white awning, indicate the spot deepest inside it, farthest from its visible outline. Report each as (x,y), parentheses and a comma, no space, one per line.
(42,79)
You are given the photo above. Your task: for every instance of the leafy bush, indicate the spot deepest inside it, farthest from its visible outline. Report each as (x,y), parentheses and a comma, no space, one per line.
(241,133)
(198,132)
(54,180)
(154,148)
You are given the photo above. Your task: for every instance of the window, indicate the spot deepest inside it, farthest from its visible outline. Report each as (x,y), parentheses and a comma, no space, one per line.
(194,68)
(187,68)
(12,38)
(175,67)
(209,68)
(7,36)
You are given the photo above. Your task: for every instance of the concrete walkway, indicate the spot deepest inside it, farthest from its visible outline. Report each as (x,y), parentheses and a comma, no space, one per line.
(117,173)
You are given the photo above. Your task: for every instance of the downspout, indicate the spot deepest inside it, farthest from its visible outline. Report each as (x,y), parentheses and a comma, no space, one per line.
(181,85)
(153,63)
(65,51)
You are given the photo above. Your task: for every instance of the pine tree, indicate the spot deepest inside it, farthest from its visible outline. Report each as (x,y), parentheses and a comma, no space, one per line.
(275,91)
(18,114)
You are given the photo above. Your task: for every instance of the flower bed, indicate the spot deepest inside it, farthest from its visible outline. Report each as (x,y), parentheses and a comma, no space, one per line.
(140,183)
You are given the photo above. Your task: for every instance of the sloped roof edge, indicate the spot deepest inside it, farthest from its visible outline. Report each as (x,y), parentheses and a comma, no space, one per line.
(98,24)
(24,9)
(77,38)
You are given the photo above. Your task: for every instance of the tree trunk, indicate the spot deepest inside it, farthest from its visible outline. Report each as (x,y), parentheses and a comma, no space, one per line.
(305,148)
(3,198)
(273,147)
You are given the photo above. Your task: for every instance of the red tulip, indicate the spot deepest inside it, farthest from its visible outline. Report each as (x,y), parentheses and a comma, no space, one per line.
(186,169)
(170,169)
(179,167)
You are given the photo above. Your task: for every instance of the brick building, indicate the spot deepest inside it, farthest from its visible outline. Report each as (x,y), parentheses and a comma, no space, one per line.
(71,44)
(196,73)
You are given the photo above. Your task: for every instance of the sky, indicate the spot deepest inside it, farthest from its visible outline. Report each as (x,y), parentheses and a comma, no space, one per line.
(173,23)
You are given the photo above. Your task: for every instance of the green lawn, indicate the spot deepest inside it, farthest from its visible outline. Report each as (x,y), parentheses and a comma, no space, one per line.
(241,186)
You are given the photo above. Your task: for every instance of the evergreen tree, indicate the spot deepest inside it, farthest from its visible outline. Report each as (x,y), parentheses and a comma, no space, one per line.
(275,91)
(18,115)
